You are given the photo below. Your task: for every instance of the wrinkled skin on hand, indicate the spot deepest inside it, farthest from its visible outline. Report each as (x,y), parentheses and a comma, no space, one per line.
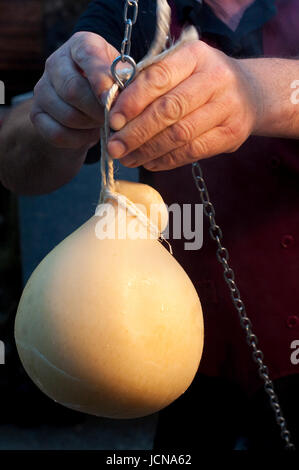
(194,104)
(67,109)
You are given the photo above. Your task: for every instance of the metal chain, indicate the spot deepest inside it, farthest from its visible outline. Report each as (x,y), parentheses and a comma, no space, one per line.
(229,277)
(129,22)
(216,234)
(132,7)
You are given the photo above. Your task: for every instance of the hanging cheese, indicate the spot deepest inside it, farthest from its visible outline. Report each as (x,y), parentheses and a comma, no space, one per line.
(111,327)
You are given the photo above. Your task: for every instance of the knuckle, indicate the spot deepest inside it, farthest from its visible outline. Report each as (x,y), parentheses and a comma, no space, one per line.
(85,45)
(151,148)
(51,60)
(223,73)
(199,46)
(171,160)
(198,148)
(221,108)
(79,35)
(71,117)
(229,74)
(33,115)
(139,134)
(129,104)
(182,132)
(232,104)
(39,87)
(89,49)
(159,76)
(70,89)
(198,49)
(57,137)
(170,108)
(217,73)
(233,131)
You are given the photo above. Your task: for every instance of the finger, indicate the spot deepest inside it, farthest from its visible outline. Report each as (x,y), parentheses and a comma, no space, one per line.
(72,87)
(61,136)
(59,110)
(154,82)
(94,56)
(178,135)
(209,144)
(164,112)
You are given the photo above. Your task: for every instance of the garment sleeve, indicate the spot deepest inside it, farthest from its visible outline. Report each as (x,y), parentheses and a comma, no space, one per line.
(103,17)
(106,18)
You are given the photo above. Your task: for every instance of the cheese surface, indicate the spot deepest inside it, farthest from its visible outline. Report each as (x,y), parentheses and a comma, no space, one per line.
(112,328)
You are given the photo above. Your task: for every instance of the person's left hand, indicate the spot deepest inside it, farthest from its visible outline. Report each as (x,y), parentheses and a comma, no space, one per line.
(194,104)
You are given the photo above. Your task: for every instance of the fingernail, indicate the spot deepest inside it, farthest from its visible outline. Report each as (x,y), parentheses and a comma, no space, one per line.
(116,148)
(117,121)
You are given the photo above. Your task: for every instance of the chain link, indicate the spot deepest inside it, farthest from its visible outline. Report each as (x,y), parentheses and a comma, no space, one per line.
(130,6)
(229,277)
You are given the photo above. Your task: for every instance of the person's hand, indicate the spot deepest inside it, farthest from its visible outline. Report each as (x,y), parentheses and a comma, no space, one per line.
(67,109)
(194,104)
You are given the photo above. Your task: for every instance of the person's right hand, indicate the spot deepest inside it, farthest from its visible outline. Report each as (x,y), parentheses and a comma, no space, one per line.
(67,109)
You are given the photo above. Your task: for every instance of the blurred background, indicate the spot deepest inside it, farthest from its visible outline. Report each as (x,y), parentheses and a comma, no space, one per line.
(30,30)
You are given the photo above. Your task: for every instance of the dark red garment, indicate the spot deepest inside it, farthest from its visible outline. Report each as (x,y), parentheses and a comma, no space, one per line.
(256,195)
(255,192)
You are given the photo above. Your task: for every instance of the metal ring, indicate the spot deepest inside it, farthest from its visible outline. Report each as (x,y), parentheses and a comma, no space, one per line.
(129,60)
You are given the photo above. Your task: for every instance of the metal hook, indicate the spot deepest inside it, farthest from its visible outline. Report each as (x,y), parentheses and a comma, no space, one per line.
(123,83)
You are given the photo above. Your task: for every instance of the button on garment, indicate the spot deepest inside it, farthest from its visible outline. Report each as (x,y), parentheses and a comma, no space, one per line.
(287,241)
(275,161)
(292,321)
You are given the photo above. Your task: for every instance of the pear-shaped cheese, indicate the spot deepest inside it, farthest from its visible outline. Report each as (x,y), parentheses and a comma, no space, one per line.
(110,327)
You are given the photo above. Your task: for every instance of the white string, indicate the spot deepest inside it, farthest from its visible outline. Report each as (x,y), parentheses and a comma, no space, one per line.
(126,203)
(154,55)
